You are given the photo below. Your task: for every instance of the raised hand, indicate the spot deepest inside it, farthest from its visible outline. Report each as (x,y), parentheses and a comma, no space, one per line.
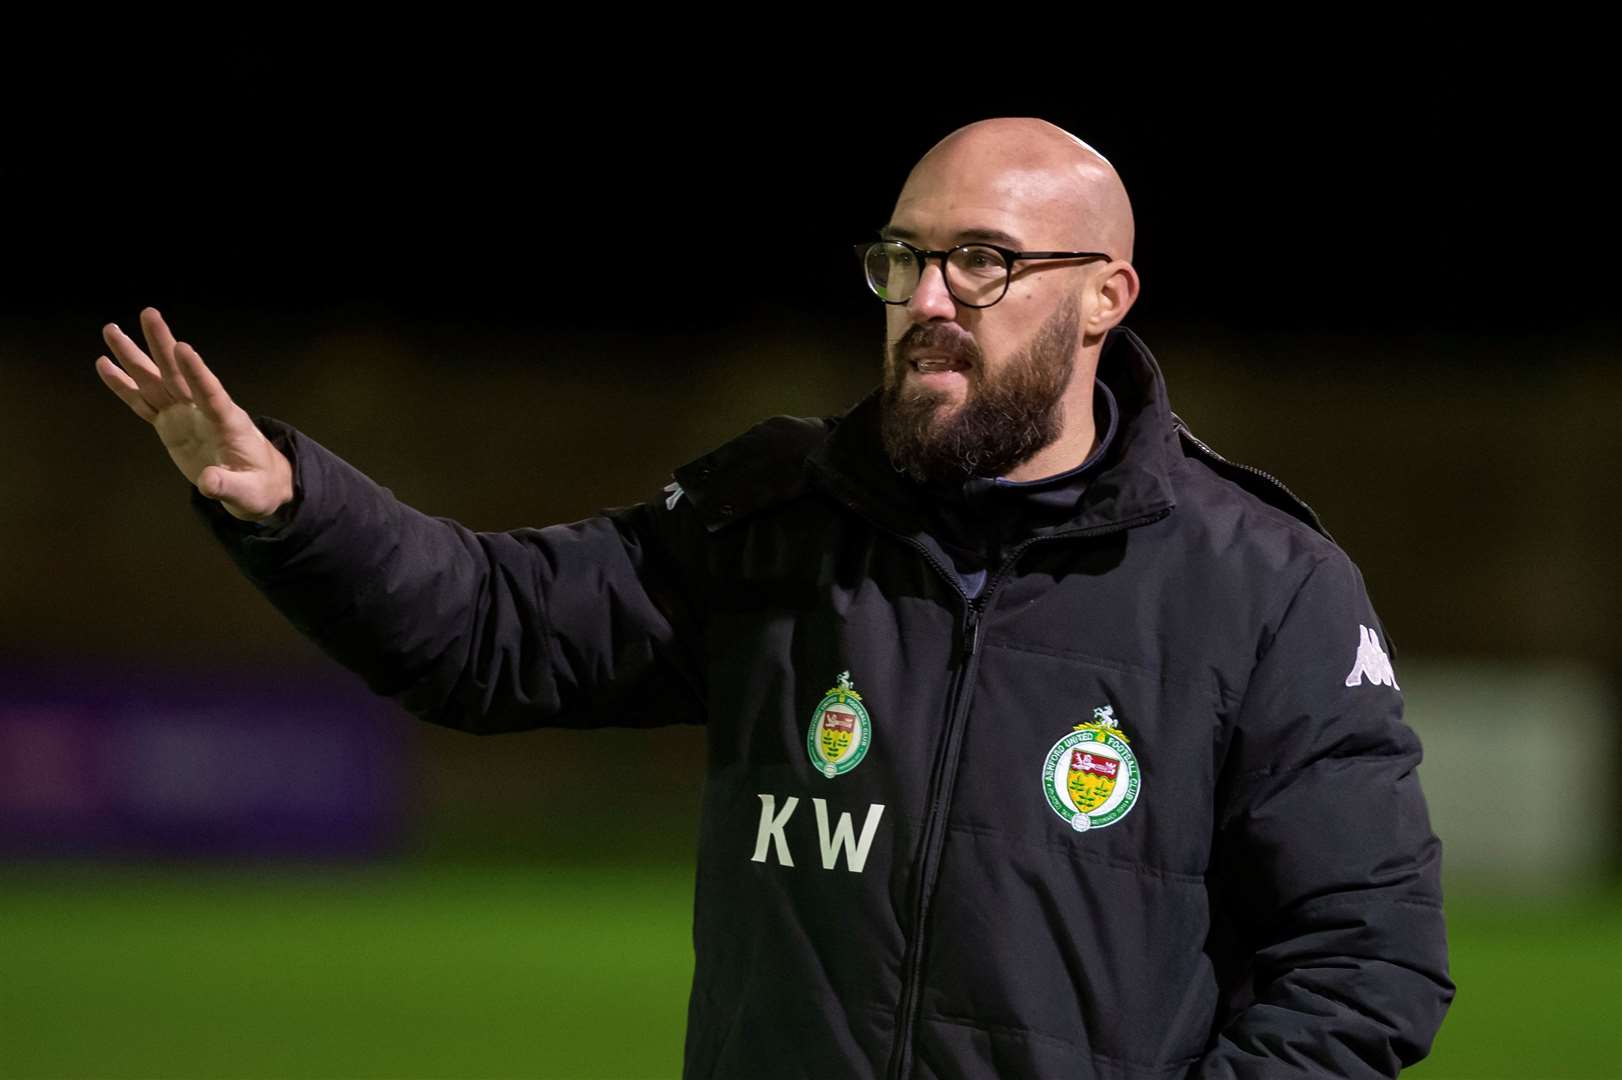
(213,442)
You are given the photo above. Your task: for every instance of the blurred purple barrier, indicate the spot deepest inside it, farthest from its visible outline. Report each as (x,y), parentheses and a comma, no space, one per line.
(171,765)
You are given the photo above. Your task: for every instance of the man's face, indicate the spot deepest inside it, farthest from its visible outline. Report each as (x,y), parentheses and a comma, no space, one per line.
(976,391)
(983,418)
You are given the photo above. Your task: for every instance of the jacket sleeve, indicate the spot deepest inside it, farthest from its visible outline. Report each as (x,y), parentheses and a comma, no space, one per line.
(578,625)
(1325,856)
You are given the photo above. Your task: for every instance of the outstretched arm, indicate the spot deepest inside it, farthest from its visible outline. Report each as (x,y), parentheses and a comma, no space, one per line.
(1326,859)
(582,624)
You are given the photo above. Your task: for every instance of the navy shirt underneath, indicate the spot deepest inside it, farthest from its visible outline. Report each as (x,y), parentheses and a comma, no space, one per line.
(970,528)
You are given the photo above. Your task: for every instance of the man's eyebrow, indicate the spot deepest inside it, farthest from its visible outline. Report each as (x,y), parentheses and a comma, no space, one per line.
(963,236)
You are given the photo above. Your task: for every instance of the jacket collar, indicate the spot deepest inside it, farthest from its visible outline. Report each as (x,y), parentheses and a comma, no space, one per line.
(1127,485)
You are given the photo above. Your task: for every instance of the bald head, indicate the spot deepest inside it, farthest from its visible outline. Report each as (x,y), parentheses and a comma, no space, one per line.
(989,367)
(1032,170)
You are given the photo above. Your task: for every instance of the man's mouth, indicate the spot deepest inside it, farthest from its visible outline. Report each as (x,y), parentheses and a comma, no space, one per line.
(927,362)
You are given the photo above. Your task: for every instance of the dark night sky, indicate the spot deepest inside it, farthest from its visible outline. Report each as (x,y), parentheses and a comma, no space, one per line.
(1272,201)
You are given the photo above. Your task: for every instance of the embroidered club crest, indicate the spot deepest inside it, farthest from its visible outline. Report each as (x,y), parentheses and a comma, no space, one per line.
(840,730)
(1091,776)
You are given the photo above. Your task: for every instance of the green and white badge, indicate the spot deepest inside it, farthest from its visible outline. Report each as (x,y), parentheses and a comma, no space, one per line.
(840,730)
(1091,776)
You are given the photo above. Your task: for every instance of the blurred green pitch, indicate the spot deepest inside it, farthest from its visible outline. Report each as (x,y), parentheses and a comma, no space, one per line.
(483,971)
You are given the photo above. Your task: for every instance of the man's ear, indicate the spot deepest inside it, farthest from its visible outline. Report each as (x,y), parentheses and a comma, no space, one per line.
(1115,289)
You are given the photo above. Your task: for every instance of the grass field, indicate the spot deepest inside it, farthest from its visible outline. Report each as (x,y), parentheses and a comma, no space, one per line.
(570,971)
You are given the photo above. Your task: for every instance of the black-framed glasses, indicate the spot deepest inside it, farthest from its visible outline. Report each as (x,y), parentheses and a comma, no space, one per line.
(976,274)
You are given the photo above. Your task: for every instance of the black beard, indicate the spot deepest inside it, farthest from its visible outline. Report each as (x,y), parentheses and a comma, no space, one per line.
(1004,419)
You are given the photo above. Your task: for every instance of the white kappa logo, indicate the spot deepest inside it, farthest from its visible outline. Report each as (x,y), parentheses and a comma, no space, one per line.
(675,493)
(1372,662)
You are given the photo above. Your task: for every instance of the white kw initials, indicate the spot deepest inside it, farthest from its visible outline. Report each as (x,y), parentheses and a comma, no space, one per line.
(769,834)
(1372,662)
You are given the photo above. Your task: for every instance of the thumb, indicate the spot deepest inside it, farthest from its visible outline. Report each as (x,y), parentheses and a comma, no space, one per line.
(245,494)
(217,482)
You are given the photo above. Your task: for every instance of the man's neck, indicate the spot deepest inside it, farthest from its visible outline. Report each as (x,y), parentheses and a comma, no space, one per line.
(1074,444)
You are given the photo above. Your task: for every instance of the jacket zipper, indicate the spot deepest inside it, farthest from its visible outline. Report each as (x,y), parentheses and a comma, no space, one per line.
(940,795)
(944,778)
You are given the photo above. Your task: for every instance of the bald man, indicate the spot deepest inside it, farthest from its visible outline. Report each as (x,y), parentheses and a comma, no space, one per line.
(1042,740)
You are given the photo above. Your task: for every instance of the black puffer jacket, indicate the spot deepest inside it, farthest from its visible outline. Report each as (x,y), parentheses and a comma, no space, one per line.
(1145,807)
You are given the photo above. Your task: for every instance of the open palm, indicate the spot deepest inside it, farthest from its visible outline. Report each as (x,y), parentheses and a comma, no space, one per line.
(213,442)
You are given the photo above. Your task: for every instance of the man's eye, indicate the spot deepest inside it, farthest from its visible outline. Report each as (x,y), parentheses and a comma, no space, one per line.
(980,260)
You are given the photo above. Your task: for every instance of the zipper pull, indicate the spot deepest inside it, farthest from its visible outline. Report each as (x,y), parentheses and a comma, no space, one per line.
(971,631)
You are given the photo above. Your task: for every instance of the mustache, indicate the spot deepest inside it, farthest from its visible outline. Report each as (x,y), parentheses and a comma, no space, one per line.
(937,337)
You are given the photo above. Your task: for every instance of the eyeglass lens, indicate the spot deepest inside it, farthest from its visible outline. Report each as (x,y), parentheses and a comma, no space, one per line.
(975,275)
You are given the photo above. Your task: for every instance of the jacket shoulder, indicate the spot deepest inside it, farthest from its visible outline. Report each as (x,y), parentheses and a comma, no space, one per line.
(758,469)
(1251,523)
(1262,486)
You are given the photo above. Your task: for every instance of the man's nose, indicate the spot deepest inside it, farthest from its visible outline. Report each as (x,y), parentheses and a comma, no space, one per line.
(931,299)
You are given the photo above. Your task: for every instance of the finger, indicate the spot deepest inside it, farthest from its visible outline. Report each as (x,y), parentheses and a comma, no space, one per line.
(145,373)
(205,389)
(121,384)
(160,342)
